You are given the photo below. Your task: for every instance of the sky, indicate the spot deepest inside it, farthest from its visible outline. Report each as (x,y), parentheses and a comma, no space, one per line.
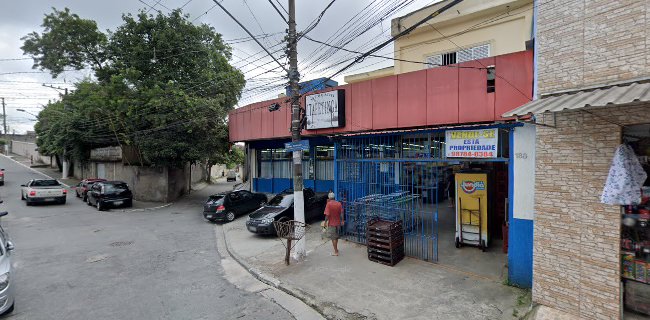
(23,87)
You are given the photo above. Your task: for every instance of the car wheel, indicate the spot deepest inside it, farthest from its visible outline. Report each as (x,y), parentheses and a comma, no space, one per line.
(22,196)
(88,202)
(99,206)
(230,216)
(76,193)
(10,310)
(84,199)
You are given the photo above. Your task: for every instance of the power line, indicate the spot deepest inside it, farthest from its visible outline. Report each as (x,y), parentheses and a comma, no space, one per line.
(281,6)
(250,34)
(314,23)
(206,12)
(278,11)
(146,4)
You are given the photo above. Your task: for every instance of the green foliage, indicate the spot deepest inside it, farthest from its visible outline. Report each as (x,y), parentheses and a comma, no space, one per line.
(67,41)
(163,86)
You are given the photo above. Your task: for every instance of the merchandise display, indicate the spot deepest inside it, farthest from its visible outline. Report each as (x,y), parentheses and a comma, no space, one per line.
(629,186)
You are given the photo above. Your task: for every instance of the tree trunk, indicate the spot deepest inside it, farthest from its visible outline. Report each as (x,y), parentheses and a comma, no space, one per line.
(208,169)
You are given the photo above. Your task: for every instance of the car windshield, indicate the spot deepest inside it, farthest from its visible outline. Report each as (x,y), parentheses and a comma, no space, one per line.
(215,197)
(115,188)
(282,200)
(45,183)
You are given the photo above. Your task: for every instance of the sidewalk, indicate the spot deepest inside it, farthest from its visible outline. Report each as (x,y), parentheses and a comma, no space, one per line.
(44,168)
(352,287)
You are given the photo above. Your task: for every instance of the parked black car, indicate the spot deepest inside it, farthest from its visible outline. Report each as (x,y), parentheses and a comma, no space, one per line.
(81,190)
(280,208)
(228,205)
(110,194)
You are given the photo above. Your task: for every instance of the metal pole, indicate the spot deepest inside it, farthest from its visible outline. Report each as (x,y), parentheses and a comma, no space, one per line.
(4,124)
(298,199)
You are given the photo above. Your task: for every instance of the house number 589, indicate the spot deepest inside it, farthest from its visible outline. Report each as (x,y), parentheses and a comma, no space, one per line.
(521,155)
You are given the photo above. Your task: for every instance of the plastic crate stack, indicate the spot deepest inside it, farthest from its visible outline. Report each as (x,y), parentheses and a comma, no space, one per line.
(385,241)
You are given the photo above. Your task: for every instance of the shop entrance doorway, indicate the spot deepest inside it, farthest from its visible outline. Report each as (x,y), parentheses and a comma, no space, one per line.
(633,159)
(408,177)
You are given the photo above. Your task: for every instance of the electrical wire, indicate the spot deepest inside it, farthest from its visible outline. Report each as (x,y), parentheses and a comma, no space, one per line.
(278,11)
(314,23)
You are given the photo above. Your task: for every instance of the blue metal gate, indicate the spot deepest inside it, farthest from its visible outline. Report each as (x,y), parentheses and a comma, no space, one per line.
(401,176)
(394,177)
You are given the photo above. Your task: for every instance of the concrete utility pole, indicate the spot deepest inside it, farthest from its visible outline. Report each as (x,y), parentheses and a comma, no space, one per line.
(296,126)
(4,124)
(64,160)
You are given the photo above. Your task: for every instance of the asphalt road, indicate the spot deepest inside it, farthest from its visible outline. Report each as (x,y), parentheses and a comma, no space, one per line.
(73,262)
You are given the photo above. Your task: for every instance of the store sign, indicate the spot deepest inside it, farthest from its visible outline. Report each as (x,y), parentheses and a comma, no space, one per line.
(480,143)
(325,110)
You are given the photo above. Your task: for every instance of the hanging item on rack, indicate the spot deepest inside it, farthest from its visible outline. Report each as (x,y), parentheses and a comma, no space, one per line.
(625,179)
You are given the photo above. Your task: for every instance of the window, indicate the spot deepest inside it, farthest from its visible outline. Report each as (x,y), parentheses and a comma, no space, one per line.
(324,162)
(45,183)
(453,57)
(490,79)
(274,163)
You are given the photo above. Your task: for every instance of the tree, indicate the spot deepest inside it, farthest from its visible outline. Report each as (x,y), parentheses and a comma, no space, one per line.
(67,41)
(162,85)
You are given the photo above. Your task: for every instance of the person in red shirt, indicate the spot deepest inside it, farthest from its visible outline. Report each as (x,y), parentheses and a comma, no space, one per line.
(334,219)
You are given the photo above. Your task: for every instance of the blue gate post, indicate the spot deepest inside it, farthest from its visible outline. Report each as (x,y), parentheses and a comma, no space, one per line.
(336,171)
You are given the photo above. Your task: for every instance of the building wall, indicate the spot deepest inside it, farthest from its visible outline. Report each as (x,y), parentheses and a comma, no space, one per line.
(28,149)
(576,263)
(433,97)
(147,183)
(352,78)
(584,43)
(508,32)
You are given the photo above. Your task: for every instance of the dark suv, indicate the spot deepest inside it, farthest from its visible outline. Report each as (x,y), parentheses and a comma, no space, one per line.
(110,194)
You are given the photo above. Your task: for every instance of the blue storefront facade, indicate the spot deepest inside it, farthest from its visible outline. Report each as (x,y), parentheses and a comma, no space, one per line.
(382,151)
(273,170)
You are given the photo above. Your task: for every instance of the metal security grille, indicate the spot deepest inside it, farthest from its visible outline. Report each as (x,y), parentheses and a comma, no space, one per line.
(402,176)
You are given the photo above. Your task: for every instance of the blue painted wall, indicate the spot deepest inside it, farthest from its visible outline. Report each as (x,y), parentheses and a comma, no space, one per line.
(277,185)
(520,237)
(520,253)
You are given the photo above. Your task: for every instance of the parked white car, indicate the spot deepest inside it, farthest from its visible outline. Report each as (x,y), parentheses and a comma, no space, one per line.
(6,272)
(43,191)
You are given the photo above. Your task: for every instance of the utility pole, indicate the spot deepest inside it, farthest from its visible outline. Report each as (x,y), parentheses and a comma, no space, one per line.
(64,160)
(4,124)
(296,126)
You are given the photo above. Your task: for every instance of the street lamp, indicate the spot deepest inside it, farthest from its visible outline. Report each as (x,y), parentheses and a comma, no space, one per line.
(27,112)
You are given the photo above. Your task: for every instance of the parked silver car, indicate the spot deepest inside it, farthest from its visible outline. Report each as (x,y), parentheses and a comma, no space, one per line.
(6,272)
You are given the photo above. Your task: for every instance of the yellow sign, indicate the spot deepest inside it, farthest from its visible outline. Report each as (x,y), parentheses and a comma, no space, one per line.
(472,207)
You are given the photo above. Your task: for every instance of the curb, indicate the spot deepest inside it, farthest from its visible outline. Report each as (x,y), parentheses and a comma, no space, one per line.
(326,309)
(34,170)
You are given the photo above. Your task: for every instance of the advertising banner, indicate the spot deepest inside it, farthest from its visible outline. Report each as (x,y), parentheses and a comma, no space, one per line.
(479,143)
